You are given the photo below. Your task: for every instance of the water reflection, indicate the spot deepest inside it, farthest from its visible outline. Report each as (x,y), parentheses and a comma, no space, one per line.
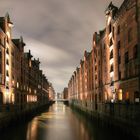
(51,125)
(61,123)
(32,130)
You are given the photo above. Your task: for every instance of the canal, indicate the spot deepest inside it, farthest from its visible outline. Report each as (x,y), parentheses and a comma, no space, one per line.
(60,122)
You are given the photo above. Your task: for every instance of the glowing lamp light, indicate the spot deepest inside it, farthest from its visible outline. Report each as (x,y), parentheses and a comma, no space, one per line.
(13,98)
(7,78)
(111,61)
(105,96)
(111,48)
(8,34)
(81,97)
(17,84)
(109,20)
(29,90)
(112,100)
(111,74)
(10,24)
(27,98)
(13,82)
(110,35)
(7,67)
(94,43)
(120,95)
(35,91)
(7,56)
(7,96)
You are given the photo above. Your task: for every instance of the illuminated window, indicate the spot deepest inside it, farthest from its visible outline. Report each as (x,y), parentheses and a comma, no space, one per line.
(7,96)
(137,96)
(13,82)
(17,84)
(35,91)
(8,34)
(27,98)
(120,96)
(30,90)
(30,63)
(106,96)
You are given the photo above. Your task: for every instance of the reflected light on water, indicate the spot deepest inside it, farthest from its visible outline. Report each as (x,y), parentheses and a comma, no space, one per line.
(32,129)
(61,123)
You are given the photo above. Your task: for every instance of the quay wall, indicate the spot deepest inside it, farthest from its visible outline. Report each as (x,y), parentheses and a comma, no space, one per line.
(11,116)
(125,117)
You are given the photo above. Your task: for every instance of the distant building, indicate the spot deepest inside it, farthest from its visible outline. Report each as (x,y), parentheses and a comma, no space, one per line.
(65,93)
(59,96)
(51,92)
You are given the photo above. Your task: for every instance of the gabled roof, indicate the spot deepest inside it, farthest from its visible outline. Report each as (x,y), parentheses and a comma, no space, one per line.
(111,8)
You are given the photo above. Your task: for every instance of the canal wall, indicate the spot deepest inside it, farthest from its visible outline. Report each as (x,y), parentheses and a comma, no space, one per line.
(13,115)
(124,117)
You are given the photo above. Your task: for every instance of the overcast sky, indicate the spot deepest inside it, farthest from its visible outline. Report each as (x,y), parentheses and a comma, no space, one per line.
(57,31)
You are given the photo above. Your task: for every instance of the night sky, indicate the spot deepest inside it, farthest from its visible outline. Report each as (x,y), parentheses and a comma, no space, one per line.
(57,31)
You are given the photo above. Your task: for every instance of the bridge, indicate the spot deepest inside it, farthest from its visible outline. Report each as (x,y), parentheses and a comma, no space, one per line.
(60,100)
(65,101)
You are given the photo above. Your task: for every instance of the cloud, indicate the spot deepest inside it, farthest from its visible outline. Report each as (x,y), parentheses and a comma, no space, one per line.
(54,62)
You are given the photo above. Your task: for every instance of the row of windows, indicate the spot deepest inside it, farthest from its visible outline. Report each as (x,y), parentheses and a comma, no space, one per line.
(130,32)
(111,29)
(135,55)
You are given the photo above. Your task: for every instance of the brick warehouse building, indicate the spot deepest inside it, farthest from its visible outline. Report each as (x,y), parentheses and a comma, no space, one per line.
(107,83)
(22,83)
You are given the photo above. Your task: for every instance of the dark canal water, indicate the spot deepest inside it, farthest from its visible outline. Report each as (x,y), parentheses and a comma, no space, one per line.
(61,123)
